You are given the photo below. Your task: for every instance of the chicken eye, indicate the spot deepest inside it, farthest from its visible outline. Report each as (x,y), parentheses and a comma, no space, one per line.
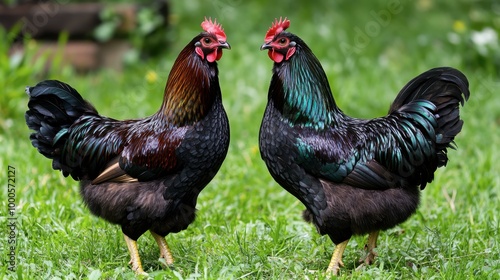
(207,41)
(282,41)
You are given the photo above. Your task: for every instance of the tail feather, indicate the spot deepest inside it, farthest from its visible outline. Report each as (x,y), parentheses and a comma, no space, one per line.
(445,88)
(53,107)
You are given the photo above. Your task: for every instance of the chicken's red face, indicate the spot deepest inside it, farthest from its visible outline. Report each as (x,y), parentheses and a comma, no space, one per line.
(280,48)
(278,41)
(210,47)
(212,42)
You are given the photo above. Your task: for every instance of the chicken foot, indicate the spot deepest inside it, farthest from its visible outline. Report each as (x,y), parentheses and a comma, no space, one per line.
(336,261)
(370,246)
(165,252)
(135,260)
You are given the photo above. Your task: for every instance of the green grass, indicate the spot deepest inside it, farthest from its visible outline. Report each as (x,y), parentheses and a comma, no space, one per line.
(247,226)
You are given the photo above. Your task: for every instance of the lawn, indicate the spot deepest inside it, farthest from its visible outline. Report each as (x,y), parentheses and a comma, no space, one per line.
(247,226)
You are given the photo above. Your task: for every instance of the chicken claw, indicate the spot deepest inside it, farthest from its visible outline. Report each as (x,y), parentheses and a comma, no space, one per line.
(336,262)
(165,252)
(135,260)
(371,254)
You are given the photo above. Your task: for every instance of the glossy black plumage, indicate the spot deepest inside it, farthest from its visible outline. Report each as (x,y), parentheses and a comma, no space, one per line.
(354,176)
(142,174)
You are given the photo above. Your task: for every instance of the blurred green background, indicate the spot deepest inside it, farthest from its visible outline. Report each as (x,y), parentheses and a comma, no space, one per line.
(247,226)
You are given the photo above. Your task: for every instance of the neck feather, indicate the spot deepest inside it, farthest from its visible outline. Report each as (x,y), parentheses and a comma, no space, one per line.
(301,89)
(191,88)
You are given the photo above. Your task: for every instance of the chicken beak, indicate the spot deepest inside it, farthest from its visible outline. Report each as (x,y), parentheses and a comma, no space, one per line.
(224,45)
(266,46)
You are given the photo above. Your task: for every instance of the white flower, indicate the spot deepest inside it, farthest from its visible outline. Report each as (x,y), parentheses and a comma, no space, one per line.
(485,40)
(487,36)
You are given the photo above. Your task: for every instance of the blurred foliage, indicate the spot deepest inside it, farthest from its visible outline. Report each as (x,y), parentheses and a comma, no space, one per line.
(20,65)
(149,36)
(476,36)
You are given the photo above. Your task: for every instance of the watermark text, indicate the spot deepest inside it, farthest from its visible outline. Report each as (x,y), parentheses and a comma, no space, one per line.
(11,219)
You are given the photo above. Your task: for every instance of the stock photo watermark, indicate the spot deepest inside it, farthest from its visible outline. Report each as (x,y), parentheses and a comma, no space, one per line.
(376,20)
(41,16)
(11,219)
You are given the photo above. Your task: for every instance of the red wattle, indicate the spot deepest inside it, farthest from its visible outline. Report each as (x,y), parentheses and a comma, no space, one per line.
(215,55)
(219,55)
(275,56)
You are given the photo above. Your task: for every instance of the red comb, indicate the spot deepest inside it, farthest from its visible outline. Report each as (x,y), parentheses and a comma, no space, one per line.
(215,28)
(278,27)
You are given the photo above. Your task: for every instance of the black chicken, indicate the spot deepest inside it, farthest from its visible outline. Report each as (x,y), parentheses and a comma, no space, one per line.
(354,176)
(142,174)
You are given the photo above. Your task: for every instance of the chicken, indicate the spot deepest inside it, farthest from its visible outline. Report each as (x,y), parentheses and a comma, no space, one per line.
(354,176)
(142,174)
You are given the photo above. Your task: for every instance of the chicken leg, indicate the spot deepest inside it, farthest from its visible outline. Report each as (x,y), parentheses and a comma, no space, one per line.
(164,250)
(336,261)
(371,254)
(135,260)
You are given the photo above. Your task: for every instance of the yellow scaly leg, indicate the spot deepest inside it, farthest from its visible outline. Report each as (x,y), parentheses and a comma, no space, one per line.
(336,261)
(164,250)
(370,246)
(135,260)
